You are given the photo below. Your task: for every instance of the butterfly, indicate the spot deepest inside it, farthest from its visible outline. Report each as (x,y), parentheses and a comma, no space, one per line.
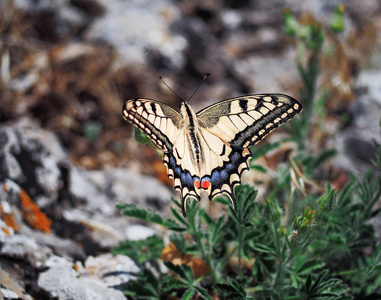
(209,150)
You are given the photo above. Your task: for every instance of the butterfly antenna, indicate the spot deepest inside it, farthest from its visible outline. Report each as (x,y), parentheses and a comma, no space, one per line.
(206,75)
(162,80)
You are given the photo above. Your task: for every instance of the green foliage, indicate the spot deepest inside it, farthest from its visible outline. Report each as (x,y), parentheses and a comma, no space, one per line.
(141,137)
(258,152)
(319,253)
(92,131)
(142,251)
(295,244)
(337,23)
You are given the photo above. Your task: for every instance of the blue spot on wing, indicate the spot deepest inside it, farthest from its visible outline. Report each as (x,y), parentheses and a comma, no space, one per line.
(196,178)
(235,157)
(172,161)
(224,175)
(229,167)
(215,178)
(177,172)
(189,180)
(205,178)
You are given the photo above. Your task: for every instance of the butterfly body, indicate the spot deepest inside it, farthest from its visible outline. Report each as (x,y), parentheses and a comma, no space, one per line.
(209,150)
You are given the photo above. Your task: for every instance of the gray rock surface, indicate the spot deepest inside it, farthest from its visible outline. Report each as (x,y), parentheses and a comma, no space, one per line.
(62,281)
(33,161)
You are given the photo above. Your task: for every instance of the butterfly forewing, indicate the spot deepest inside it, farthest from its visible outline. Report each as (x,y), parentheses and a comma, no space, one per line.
(159,121)
(244,121)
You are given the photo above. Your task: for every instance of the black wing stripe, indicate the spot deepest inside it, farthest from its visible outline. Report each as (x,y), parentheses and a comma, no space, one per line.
(263,126)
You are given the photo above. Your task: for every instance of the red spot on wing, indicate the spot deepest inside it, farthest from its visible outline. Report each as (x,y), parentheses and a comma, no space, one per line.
(205,184)
(197,184)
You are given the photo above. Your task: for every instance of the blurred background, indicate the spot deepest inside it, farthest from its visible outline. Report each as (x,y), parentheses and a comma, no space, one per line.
(66,67)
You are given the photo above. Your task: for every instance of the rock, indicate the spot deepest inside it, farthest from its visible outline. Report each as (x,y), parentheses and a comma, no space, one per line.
(139,232)
(63,281)
(126,186)
(12,287)
(102,190)
(371,80)
(32,157)
(60,246)
(266,74)
(34,165)
(22,247)
(113,271)
(148,30)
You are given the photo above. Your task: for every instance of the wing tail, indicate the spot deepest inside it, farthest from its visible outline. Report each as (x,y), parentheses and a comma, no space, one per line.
(183,181)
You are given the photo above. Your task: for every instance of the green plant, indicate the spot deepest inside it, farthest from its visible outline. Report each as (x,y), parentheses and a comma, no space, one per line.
(320,252)
(309,40)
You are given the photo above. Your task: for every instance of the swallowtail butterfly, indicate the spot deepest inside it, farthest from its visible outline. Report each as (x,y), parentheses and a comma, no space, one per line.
(209,150)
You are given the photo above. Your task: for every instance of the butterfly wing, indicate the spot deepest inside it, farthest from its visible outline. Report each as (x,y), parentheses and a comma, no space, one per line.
(239,123)
(165,127)
(159,121)
(244,121)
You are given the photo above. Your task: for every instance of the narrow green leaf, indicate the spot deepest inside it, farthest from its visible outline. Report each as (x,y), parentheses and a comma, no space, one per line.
(258,168)
(202,292)
(177,203)
(262,248)
(170,283)
(324,156)
(225,288)
(257,152)
(209,221)
(178,217)
(217,232)
(310,265)
(184,271)
(188,295)
(308,283)
(176,269)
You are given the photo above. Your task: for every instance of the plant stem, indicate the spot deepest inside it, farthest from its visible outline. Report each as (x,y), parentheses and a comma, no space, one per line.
(348,272)
(196,234)
(240,242)
(280,257)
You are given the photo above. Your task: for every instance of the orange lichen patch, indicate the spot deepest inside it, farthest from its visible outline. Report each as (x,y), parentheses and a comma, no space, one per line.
(9,219)
(32,213)
(170,253)
(6,230)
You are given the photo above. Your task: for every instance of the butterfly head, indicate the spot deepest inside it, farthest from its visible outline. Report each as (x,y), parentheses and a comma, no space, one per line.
(188,114)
